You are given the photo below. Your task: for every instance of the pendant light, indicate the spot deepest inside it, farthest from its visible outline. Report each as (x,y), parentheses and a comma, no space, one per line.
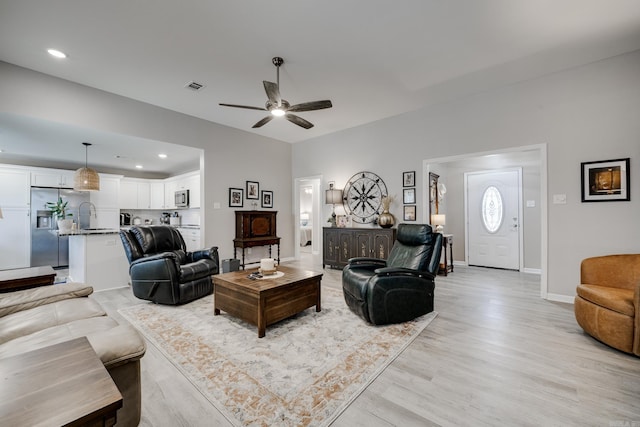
(86,179)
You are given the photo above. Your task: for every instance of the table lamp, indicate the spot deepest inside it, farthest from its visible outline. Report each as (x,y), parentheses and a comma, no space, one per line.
(331,197)
(438,220)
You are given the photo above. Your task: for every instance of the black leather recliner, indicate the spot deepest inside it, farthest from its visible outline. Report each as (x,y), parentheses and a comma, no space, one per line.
(162,270)
(400,288)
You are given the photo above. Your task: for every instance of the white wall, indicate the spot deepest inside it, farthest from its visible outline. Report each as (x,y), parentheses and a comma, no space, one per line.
(583,114)
(231,157)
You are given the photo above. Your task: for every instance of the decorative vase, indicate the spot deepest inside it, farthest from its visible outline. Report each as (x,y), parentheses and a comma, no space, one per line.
(385,220)
(64,225)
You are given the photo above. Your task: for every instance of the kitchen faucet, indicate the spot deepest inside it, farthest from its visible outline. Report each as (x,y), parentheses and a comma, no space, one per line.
(95,214)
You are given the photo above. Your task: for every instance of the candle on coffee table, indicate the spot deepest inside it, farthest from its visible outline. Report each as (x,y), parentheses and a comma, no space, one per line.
(267,264)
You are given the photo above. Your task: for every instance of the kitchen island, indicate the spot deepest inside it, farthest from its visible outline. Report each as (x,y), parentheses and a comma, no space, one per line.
(97,258)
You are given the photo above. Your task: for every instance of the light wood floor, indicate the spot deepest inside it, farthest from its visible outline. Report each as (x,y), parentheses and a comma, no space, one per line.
(496,355)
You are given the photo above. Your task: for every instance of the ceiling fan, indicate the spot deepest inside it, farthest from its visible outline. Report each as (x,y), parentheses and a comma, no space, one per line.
(279,107)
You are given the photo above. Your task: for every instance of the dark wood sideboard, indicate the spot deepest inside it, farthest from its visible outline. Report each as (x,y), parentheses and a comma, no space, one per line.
(340,244)
(255,228)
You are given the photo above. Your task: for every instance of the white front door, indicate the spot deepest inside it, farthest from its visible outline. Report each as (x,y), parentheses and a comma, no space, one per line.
(493,200)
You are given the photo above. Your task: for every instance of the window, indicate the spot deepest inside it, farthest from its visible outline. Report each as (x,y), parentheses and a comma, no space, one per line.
(492,210)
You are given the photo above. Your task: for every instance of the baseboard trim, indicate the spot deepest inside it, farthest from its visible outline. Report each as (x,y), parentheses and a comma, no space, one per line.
(532,271)
(460,263)
(560,298)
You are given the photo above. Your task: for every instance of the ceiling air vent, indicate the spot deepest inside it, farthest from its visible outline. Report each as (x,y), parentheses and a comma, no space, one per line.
(194,86)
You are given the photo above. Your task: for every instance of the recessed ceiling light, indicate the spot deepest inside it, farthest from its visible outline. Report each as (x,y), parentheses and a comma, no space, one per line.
(138,166)
(162,156)
(57,53)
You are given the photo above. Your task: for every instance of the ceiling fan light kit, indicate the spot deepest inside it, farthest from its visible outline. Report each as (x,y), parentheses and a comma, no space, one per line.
(86,179)
(279,107)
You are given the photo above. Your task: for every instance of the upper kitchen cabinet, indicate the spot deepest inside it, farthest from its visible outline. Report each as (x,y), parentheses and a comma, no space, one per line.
(156,195)
(52,178)
(107,197)
(193,185)
(14,191)
(134,194)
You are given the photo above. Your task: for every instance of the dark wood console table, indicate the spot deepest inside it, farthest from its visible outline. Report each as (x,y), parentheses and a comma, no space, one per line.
(255,228)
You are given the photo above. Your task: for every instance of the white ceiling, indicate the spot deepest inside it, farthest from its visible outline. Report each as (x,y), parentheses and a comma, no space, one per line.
(373,59)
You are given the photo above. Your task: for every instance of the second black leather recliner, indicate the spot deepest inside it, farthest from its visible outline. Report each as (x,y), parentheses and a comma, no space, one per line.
(162,270)
(400,288)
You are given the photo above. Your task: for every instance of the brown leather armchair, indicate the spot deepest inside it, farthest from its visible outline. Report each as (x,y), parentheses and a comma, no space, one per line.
(607,304)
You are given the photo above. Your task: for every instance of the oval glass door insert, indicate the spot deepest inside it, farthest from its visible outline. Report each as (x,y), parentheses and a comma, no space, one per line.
(492,209)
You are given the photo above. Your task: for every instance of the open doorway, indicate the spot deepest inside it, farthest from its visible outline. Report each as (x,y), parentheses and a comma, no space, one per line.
(533,219)
(307,212)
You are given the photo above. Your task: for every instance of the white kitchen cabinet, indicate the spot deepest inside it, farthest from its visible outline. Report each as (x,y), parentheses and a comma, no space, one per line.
(15,244)
(170,188)
(134,194)
(191,238)
(107,197)
(193,185)
(15,225)
(14,188)
(99,260)
(156,195)
(52,178)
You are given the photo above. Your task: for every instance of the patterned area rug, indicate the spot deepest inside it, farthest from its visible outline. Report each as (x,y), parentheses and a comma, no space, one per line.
(305,371)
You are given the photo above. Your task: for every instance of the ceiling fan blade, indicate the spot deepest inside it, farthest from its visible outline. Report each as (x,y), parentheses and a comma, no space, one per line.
(248,107)
(273,93)
(310,106)
(298,120)
(263,122)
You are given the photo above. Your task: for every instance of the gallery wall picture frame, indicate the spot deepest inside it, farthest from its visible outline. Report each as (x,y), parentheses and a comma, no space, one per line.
(606,180)
(409,179)
(267,199)
(409,213)
(236,197)
(409,196)
(253,190)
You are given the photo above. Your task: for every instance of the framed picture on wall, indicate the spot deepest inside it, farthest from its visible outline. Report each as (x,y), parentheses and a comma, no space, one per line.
(408,196)
(409,179)
(235,198)
(410,213)
(606,180)
(267,199)
(253,190)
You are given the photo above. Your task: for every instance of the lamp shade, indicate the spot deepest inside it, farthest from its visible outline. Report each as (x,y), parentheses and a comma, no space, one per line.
(333,196)
(86,179)
(438,219)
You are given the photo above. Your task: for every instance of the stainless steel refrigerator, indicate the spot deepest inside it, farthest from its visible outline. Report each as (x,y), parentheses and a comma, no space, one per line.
(46,247)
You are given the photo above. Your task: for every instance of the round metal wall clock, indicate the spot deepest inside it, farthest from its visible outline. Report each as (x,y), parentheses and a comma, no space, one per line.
(362,196)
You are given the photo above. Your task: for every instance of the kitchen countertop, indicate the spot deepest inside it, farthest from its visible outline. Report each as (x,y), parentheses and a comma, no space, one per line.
(86,232)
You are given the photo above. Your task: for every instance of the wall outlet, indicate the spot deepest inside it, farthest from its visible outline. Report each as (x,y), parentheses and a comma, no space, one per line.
(531,203)
(216,205)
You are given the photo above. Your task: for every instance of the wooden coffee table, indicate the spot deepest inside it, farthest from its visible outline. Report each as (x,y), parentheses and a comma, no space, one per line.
(266,301)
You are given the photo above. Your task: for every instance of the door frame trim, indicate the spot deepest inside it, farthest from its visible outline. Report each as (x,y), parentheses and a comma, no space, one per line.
(316,241)
(544,208)
(520,212)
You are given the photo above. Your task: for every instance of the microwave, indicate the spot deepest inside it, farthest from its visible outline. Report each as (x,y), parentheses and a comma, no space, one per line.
(182,199)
